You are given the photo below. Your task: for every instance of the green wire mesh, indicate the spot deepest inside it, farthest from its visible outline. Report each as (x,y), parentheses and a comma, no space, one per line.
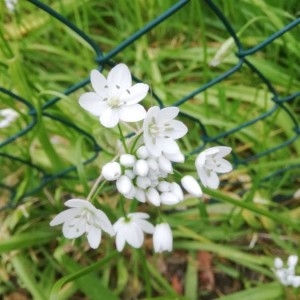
(19,191)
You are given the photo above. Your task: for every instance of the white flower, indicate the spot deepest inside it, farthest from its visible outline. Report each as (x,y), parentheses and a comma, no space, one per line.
(160,130)
(82,218)
(7,116)
(114,98)
(131,230)
(210,162)
(162,238)
(111,171)
(191,185)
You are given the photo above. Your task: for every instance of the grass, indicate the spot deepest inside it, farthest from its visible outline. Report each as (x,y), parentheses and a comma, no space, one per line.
(225,244)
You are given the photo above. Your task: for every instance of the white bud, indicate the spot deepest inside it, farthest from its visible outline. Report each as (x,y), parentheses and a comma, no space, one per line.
(296,281)
(165,165)
(141,167)
(124,185)
(143,182)
(131,193)
(140,195)
(152,163)
(191,185)
(127,160)
(176,189)
(153,196)
(169,198)
(164,186)
(142,152)
(292,261)
(111,171)
(130,174)
(278,263)
(162,238)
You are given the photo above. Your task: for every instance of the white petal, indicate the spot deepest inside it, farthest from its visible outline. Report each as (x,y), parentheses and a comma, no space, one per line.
(74,228)
(223,166)
(223,150)
(167,145)
(94,237)
(153,196)
(138,215)
(120,241)
(179,129)
(110,117)
(213,181)
(132,113)
(191,185)
(134,235)
(101,220)
(65,216)
(99,83)
(93,103)
(135,94)
(145,225)
(119,76)
(76,203)
(167,113)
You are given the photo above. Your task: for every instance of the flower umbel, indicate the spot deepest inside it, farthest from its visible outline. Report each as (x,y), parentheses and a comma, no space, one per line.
(131,230)
(210,162)
(82,217)
(115,99)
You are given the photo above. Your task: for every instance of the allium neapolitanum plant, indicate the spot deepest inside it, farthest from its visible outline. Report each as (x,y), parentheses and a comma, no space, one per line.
(141,169)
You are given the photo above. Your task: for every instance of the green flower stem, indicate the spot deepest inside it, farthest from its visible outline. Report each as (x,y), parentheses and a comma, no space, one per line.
(135,141)
(122,138)
(122,205)
(94,188)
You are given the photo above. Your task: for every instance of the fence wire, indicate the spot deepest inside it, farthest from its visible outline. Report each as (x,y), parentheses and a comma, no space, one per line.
(19,190)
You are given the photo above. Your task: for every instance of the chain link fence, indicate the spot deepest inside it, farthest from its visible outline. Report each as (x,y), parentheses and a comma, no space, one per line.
(31,172)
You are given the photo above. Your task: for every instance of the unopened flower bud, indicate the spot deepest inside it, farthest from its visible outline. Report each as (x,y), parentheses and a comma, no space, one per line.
(141,167)
(162,238)
(191,185)
(111,171)
(142,152)
(153,196)
(127,160)
(124,185)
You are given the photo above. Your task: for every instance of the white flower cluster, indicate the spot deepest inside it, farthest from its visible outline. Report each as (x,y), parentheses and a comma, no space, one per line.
(286,275)
(143,173)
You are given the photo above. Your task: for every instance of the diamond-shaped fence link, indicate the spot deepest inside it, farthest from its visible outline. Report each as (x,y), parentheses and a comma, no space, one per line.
(21,189)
